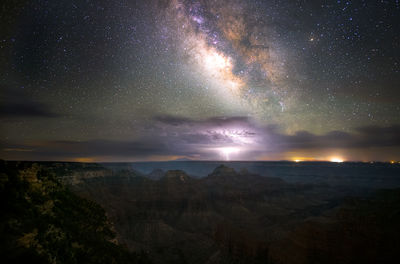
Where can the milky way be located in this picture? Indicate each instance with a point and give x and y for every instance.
(229, 47)
(129, 80)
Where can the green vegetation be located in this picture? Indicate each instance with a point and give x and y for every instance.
(42, 221)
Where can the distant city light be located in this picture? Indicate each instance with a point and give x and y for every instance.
(301, 159)
(335, 159)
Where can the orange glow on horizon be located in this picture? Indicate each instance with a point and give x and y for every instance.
(84, 159)
(336, 159)
(300, 159)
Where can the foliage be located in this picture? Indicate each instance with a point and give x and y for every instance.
(42, 221)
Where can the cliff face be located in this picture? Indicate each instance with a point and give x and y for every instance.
(359, 231)
(80, 177)
(43, 222)
(226, 217)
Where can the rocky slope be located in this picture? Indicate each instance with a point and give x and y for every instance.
(227, 216)
(42, 221)
(359, 231)
(234, 216)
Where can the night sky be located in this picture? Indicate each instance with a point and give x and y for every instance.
(132, 80)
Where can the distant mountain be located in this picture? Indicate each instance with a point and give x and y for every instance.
(183, 159)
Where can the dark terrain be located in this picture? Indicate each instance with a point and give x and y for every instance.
(42, 221)
(236, 216)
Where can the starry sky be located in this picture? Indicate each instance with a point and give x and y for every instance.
(125, 80)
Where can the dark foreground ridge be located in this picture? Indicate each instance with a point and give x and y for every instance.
(228, 216)
(42, 221)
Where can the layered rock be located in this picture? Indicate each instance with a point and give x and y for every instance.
(227, 216)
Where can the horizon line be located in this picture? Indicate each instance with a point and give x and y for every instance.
(190, 160)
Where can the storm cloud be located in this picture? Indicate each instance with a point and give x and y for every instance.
(172, 136)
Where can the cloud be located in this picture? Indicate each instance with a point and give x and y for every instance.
(213, 121)
(255, 139)
(361, 137)
(172, 120)
(206, 139)
(16, 104)
(61, 150)
(26, 109)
